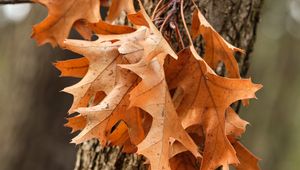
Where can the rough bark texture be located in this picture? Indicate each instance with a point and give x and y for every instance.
(92, 156)
(236, 20)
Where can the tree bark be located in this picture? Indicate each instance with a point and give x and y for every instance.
(92, 156)
(235, 20)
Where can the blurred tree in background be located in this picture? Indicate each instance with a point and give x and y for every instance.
(32, 109)
(274, 133)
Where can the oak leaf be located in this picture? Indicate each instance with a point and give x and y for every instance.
(97, 116)
(152, 95)
(92, 53)
(55, 28)
(234, 125)
(103, 75)
(247, 160)
(86, 30)
(216, 48)
(102, 63)
(206, 96)
(184, 161)
(136, 92)
(117, 6)
(73, 67)
(105, 28)
(76, 123)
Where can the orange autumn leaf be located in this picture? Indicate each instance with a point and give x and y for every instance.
(103, 75)
(134, 118)
(103, 56)
(98, 116)
(234, 125)
(55, 28)
(138, 19)
(138, 93)
(117, 6)
(99, 66)
(247, 160)
(76, 123)
(152, 95)
(120, 137)
(206, 96)
(83, 28)
(85, 86)
(86, 30)
(105, 28)
(216, 48)
(184, 161)
(73, 67)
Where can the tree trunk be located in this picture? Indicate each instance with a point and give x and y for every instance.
(235, 20)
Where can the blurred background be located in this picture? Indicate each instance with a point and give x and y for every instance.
(32, 110)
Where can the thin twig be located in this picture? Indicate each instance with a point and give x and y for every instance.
(165, 21)
(155, 9)
(170, 14)
(184, 23)
(163, 9)
(178, 35)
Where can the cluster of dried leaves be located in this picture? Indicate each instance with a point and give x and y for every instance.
(138, 93)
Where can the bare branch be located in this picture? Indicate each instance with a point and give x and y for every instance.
(3, 2)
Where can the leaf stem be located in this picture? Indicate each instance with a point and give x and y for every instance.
(184, 23)
(155, 9)
(165, 21)
(163, 9)
(178, 35)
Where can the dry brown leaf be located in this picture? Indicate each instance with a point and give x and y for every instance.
(247, 160)
(73, 68)
(86, 30)
(83, 28)
(234, 125)
(105, 28)
(76, 123)
(216, 48)
(117, 6)
(152, 95)
(206, 96)
(184, 161)
(138, 19)
(101, 73)
(126, 44)
(61, 17)
(133, 117)
(120, 137)
(98, 116)
(103, 56)
(125, 94)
